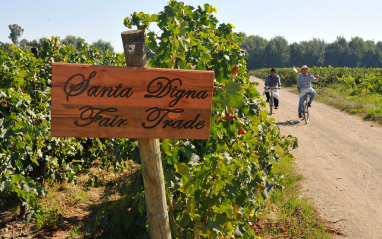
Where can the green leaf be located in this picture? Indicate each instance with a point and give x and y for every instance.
(166, 147)
(232, 88)
(227, 208)
(127, 22)
(186, 219)
(205, 57)
(232, 98)
(182, 169)
(174, 229)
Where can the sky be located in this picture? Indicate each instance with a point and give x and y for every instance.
(294, 19)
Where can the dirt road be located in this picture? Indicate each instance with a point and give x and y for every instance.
(341, 158)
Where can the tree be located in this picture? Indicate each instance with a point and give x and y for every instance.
(313, 52)
(255, 51)
(316, 52)
(102, 46)
(357, 48)
(277, 52)
(372, 56)
(336, 53)
(16, 32)
(296, 54)
(28, 45)
(24, 42)
(5, 46)
(379, 45)
(71, 40)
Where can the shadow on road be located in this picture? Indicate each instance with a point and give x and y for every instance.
(288, 123)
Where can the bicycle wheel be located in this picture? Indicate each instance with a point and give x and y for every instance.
(271, 105)
(306, 112)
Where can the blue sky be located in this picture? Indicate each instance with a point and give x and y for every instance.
(295, 20)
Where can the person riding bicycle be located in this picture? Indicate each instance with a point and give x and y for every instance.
(304, 85)
(273, 80)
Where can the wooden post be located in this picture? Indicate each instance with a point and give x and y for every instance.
(149, 149)
(34, 50)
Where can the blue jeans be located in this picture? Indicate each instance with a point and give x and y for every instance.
(312, 94)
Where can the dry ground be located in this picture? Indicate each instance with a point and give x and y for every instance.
(341, 158)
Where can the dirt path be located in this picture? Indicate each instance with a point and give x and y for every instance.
(341, 158)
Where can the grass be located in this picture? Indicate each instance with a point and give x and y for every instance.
(290, 215)
(352, 101)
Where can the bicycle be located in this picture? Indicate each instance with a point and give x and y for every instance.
(305, 109)
(271, 98)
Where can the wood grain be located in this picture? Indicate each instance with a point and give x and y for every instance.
(149, 150)
(76, 86)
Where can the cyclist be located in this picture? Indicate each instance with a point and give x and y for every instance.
(273, 80)
(304, 85)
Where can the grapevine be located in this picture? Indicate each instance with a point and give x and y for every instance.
(213, 186)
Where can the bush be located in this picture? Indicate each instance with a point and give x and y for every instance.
(213, 186)
(28, 154)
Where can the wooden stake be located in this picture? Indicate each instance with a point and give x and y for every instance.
(149, 149)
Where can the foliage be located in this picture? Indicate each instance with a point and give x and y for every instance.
(74, 42)
(28, 45)
(24, 43)
(255, 51)
(70, 40)
(287, 76)
(213, 185)
(311, 53)
(277, 52)
(5, 46)
(103, 46)
(16, 32)
(28, 154)
(353, 100)
(354, 90)
(316, 52)
(369, 79)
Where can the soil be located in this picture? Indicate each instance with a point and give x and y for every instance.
(340, 156)
(75, 204)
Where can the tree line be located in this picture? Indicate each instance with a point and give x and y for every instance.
(277, 52)
(70, 40)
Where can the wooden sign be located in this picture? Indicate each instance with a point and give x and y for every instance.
(130, 102)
